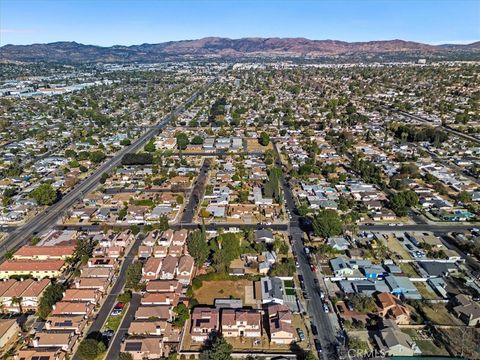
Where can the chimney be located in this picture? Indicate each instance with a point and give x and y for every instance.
(48, 325)
(158, 330)
(35, 342)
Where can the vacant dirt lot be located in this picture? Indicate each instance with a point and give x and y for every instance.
(212, 290)
(254, 146)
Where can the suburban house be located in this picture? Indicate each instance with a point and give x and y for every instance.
(390, 307)
(163, 298)
(143, 347)
(467, 310)
(264, 235)
(39, 353)
(280, 324)
(338, 243)
(49, 339)
(241, 323)
(158, 312)
(82, 295)
(74, 323)
(72, 308)
(204, 322)
(185, 268)
(163, 286)
(151, 269)
(393, 342)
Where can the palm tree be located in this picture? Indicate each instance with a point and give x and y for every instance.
(18, 300)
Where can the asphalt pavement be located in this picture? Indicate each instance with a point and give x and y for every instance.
(197, 193)
(116, 290)
(326, 332)
(49, 216)
(113, 351)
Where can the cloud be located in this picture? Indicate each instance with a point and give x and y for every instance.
(16, 31)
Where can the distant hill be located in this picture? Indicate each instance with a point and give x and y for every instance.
(216, 47)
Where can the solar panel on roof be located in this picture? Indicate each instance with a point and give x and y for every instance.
(133, 346)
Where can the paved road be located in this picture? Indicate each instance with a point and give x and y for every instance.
(113, 351)
(190, 225)
(326, 332)
(116, 290)
(439, 228)
(111, 191)
(197, 193)
(49, 217)
(220, 153)
(446, 128)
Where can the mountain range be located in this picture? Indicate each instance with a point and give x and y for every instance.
(217, 47)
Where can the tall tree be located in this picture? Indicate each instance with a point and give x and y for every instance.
(44, 194)
(198, 246)
(216, 349)
(327, 223)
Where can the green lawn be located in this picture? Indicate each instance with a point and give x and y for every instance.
(289, 291)
(113, 322)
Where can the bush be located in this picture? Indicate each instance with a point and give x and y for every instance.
(90, 349)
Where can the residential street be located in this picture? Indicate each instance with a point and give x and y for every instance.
(113, 351)
(116, 290)
(196, 195)
(326, 332)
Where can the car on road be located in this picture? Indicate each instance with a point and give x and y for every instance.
(116, 312)
(108, 334)
(301, 335)
(314, 328)
(120, 305)
(322, 294)
(313, 268)
(318, 345)
(325, 308)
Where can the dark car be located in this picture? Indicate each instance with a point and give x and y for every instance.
(314, 329)
(318, 346)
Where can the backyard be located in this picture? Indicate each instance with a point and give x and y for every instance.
(221, 289)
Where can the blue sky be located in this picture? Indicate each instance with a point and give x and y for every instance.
(123, 22)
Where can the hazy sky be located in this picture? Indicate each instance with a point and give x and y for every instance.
(110, 22)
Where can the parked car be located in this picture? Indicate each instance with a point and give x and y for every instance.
(301, 335)
(116, 312)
